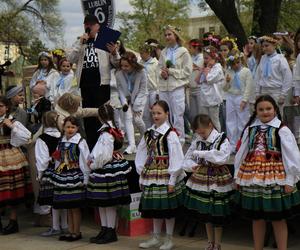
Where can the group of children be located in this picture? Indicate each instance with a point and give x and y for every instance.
(263, 186)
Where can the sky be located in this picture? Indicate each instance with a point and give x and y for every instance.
(72, 14)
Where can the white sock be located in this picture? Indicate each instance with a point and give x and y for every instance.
(157, 224)
(111, 215)
(63, 218)
(170, 223)
(102, 213)
(55, 219)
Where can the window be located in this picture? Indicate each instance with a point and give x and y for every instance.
(212, 29)
(201, 31)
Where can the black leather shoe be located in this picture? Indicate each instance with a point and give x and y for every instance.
(99, 235)
(11, 228)
(65, 237)
(75, 237)
(108, 237)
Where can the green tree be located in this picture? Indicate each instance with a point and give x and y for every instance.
(149, 18)
(22, 22)
(32, 51)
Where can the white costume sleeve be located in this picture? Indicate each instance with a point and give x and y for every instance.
(287, 77)
(290, 156)
(296, 76)
(216, 156)
(19, 135)
(185, 70)
(242, 152)
(215, 75)
(83, 158)
(189, 160)
(249, 87)
(175, 157)
(42, 156)
(141, 156)
(102, 151)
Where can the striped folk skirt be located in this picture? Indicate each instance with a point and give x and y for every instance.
(108, 186)
(46, 188)
(157, 202)
(15, 183)
(267, 203)
(209, 195)
(69, 191)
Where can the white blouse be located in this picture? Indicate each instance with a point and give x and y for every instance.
(42, 155)
(102, 151)
(214, 156)
(289, 151)
(175, 154)
(19, 135)
(280, 76)
(296, 76)
(210, 94)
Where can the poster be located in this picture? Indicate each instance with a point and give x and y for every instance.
(103, 9)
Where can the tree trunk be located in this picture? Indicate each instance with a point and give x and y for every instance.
(265, 16)
(226, 11)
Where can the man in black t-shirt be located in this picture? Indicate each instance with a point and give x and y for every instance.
(93, 73)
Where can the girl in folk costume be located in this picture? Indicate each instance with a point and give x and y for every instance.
(66, 82)
(175, 68)
(273, 75)
(132, 86)
(266, 172)
(209, 189)
(158, 162)
(211, 79)
(195, 48)
(150, 64)
(15, 185)
(107, 187)
(44, 148)
(70, 175)
(45, 73)
(239, 89)
(15, 94)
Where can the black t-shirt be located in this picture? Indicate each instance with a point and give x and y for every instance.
(90, 75)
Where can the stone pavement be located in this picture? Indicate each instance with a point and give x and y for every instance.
(236, 237)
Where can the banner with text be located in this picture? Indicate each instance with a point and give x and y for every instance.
(103, 9)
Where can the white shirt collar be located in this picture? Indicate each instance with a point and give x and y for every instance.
(274, 123)
(74, 139)
(105, 125)
(52, 131)
(212, 136)
(162, 129)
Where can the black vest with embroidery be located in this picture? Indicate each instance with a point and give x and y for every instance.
(158, 143)
(50, 141)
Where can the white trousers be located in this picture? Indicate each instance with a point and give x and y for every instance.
(176, 102)
(213, 112)
(195, 103)
(129, 119)
(147, 117)
(235, 119)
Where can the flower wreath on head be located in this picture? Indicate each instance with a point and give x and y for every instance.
(45, 54)
(231, 40)
(212, 39)
(268, 39)
(253, 38)
(171, 27)
(213, 54)
(58, 52)
(232, 58)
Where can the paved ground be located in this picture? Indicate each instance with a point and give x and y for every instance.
(236, 237)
